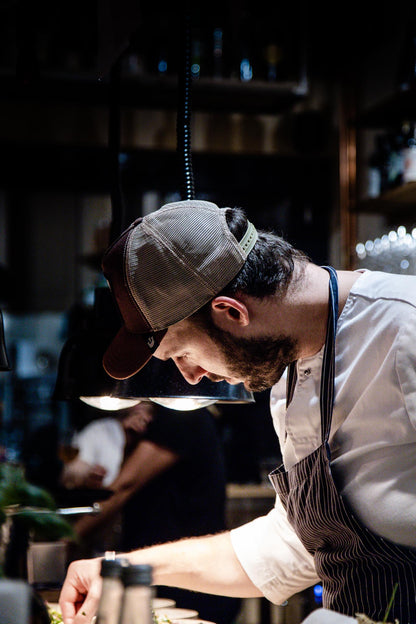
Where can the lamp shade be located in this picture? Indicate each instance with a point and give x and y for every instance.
(80, 370)
(81, 374)
(168, 387)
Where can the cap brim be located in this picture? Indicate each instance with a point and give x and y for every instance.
(129, 352)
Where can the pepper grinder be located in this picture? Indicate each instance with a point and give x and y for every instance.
(136, 607)
(111, 593)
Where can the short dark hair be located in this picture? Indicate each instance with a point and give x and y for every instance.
(267, 270)
(270, 264)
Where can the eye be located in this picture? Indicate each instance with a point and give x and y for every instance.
(178, 358)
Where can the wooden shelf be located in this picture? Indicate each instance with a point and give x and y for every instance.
(212, 95)
(87, 168)
(401, 200)
(391, 111)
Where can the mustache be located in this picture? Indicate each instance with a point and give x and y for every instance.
(213, 377)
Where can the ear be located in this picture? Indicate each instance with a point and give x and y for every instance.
(227, 312)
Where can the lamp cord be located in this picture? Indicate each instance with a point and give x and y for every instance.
(183, 119)
(183, 128)
(114, 142)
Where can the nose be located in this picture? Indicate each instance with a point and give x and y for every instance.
(191, 372)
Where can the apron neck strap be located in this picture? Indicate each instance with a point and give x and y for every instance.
(328, 363)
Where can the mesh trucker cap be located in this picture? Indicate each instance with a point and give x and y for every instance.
(162, 269)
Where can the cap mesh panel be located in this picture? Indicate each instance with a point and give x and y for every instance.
(183, 258)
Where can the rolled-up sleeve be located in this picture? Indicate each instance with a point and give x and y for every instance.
(273, 556)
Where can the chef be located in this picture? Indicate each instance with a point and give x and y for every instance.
(198, 284)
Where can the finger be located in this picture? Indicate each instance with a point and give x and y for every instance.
(99, 470)
(90, 605)
(77, 584)
(69, 606)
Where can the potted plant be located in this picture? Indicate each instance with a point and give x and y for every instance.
(25, 509)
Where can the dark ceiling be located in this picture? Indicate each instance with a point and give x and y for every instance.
(88, 35)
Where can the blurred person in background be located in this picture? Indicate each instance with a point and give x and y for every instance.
(166, 471)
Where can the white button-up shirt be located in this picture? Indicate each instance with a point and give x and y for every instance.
(373, 433)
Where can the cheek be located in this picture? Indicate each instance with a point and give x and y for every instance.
(211, 360)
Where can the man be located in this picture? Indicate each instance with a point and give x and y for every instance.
(198, 284)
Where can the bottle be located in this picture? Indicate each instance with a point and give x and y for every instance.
(108, 611)
(136, 607)
(217, 52)
(196, 54)
(373, 182)
(383, 155)
(409, 156)
(272, 57)
(246, 42)
(396, 160)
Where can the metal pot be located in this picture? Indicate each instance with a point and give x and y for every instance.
(20, 558)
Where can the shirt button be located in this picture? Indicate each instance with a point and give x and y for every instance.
(307, 372)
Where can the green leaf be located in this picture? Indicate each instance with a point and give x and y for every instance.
(389, 606)
(16, 490)
(44, 526)
(35, 496)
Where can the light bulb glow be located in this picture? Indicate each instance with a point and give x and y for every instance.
(394, 252)
(182, 404)
(109, 403)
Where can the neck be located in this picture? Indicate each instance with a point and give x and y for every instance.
(303, 312)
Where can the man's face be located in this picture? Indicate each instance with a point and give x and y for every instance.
(199, 349)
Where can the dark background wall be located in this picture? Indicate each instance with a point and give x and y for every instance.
(271, 146)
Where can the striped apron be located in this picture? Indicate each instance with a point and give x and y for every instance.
(358, 568)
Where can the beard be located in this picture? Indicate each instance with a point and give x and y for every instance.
(260, 361)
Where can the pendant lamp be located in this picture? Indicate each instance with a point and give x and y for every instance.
(80, 371)
(81, 374)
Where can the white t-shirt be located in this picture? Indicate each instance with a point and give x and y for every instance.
(373, 434)
(102, 442)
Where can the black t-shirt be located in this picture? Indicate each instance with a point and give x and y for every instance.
(189, 498)
(186, 500)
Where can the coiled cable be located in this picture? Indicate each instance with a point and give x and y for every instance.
(183, 118)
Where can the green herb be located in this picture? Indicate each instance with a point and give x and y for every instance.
(389, 606)
(54, 616)
(160, 619)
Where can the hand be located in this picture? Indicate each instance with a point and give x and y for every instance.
(139, 416)
(79, 473)
(81, 591)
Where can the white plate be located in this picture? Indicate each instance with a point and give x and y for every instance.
(163, 603)
(195, 621)
(176, 614)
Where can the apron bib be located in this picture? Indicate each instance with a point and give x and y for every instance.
(358, 568)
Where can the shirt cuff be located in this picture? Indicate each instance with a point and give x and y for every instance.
(273, 556)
